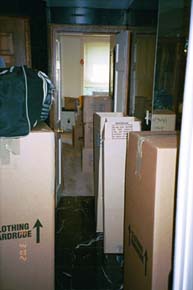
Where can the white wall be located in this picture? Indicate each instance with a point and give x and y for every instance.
(72, 71)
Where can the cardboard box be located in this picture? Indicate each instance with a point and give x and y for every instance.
(67, 120)
(71, 103)
(99, 121)
(88, 135)
(93, 104)
(163, 121)
(27, 205)
(114, 157)
(87, 160)
(79, 117)
(149, 210)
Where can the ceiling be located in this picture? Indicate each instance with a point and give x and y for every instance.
(106, 4)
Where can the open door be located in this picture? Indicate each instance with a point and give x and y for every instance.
(55, 117)
(121, 76)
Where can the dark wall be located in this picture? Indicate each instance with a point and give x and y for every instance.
(93, 16)
(87, 16)
(37, 13)
(40, 16)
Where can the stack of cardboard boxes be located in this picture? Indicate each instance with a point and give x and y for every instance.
(134, 186)
(91, 104)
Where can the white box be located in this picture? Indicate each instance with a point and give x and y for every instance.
(99, 121)
(163, 121)
(67, 120)
(114, 159)
(27, 206)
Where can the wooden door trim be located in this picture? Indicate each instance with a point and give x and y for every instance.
(27, 41)
(26, 35)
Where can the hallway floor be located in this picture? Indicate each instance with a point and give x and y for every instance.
(80, 262)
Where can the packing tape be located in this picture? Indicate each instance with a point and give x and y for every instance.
(140, 142)
(8, 146)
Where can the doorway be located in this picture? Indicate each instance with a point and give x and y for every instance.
(118, 80)
(113, 34)
(84, 65)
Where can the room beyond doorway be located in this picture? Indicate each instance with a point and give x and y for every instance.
(84, 62)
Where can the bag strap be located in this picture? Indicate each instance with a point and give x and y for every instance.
(26, 98)
(46, 82)
(48, 88)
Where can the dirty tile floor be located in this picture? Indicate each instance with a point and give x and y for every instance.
(80, 262)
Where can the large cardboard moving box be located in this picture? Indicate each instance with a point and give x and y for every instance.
(77, 135)
(71, 103)
(27, 174)
(92, 104)
(99, 121)
(114, 157)
(88, 135)
(87, 160)
(149, 210)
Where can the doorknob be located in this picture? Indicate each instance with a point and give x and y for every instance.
(59, 130)
(147, 117)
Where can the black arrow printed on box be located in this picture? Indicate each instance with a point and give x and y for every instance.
(38, 225)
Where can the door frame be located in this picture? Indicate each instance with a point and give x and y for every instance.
(55, 29)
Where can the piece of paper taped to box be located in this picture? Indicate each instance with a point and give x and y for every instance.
(120, 130)
(8, 147)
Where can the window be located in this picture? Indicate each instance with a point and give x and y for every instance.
(96, 65)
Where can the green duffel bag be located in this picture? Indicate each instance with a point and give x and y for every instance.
(25, 99)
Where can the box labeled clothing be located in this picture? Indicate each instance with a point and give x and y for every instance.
(163, 121)
(88, 135)
(27, 205)
(87, 160)
(114, 157)
(149, 209)
(92, 104)
(99, 121)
